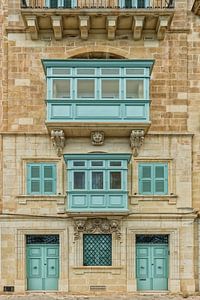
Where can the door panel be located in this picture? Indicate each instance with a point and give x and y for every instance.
(42, 267)
(152, 266)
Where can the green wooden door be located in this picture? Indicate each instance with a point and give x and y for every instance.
(42, 266)
(152, 266)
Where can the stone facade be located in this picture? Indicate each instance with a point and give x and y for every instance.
(173, 137)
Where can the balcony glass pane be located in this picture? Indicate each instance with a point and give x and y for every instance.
(61, 88)
(97, 180)
(79, 164)
(85, 88)
(85, 71)
(110, 88)
(110, 71)
(134, 89)
(134, 71)
(57, 71)
(79, 180)
(115, 163)
(97, 163)
(115, 180)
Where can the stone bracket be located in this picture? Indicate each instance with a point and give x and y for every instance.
(136, 139)
(84, 26)
(58, 140)
(32, 26)
(57, 26)
(97, 138)
(161, 27)
(97, 225)
(111, 26)
(138, 25)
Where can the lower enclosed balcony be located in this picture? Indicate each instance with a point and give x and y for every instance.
(129, 19)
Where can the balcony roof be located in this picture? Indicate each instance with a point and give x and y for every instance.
(112, 23)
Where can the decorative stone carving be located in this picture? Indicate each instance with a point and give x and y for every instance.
(137, 139)
(97, 138)
(58, 139)
(99, 225)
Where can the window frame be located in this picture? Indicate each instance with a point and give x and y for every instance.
(153, 179)
(41, 177)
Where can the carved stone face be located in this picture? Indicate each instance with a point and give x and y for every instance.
(97, 137)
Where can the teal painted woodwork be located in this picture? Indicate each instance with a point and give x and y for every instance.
(42, 263)
(97, 249)
(153, 178)
(97, 182)
(152, 266)
(41, 179)
(98, 90)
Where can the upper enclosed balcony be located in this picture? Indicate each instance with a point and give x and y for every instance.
(131, 19)
(109, 95)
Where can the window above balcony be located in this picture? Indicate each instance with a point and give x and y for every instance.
(109, 94)
(106, 18)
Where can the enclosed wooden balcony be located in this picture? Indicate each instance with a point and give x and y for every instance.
(105, 18)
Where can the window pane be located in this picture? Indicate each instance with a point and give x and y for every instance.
(146, 172)
(56, 71)
(48, 186)
(48, 171)
(134, 71)
(35, 171)
(97, 180)
(79, 180)
(115, 163)
(97, 163)
(61, 88)
(159, 186)
(146, 186)
(110, 88)
(115, 180)
(85, 88)
(79, 163)
(85, 71)
(159, 171)
(110, 71)
(35, 186)
(97, 249)
(134, 89)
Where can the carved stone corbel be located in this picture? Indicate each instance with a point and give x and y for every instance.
(137, 139)
(97, 138)
(99, 225)
(58, 140)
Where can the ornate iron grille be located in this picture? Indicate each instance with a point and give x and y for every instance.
(42, 239)
(152, 239)
(97, 249)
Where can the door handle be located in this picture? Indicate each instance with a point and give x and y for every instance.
(159, 267)
(35, 267)
(52, 268)
(141, 267)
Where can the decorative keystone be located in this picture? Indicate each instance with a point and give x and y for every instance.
(97, 138)
(137, 139)
(58, 139)
(32, 26)
(57, 26)
(98, 225)
(162, 27)
(111, 26)
(84, 26)
(138, 25)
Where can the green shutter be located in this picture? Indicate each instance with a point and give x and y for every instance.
(41, 179)
(153, 179)
(34, 179)
(49, 179)
(145, 179)
(160, 179)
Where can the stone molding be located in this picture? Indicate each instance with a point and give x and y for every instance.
(58, 140)
(97, 138)
(136, 139)
(97, 225)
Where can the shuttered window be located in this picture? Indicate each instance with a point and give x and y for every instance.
(153, 178)
(41, 179)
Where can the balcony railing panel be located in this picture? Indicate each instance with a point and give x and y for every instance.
(61, 4)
